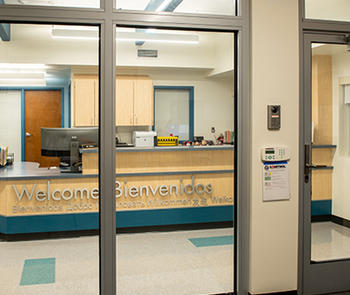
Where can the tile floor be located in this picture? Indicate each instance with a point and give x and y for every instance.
(148, 263)
(330, 241)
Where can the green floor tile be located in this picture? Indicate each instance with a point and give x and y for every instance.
(38, 271)
(212, 241)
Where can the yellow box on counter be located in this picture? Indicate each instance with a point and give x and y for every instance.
(166, 140)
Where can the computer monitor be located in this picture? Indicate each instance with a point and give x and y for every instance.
(65, 143)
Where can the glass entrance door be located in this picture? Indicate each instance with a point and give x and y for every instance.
(326, 229)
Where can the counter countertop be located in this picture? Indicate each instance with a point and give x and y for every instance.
(165, 148)
(31, 170)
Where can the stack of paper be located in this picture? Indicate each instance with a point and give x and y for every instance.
(3, 155)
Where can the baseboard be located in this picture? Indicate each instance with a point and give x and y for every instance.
(332, 218)
(175, 227)
(321, 218)
(293, 292)
(127, 230)
(48, 235)
(340, 221)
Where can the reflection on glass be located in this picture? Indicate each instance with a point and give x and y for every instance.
(330, 152)
(49, 203)
(226, 7)
(174, 185)
(337, 10)
(64, 3)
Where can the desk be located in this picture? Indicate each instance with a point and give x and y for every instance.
(195, 188)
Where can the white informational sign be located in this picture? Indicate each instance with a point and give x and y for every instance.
(276, 181)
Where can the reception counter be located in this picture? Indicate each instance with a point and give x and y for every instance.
(154, 186)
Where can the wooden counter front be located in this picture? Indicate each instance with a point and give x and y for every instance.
(81, 195)
(163, 160)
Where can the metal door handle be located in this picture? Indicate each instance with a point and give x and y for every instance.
(307, 165)
(28, 134)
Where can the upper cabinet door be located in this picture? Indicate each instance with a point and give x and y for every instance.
(97, 102)
(143, 101)
(84, 101)
(124, 101)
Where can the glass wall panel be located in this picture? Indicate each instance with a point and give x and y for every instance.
(337, 10)
(225, 7)
(330, 201)
(64, 3)
(175, 161)
(49, 202)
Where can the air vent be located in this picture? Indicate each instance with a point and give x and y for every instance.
(147, 53)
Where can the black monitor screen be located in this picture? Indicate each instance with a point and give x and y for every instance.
(57, 142)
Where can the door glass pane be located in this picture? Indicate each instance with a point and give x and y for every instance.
(174, 199)
(226, 7)
(330, 152)
(63, 3)
(49, 200)
(337, 10)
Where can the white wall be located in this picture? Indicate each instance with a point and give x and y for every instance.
(328, 9)
(213, 104)
(275, 72)
(34, 44)
(341, 136)
(189, 6)
(10, 121)
(200, 55)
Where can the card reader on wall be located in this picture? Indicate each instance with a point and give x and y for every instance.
(275, 153)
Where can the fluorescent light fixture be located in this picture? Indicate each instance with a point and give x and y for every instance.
(22, 74)
(67, 3)
(155, 37)
(21, 71)
(22, 82)
(22, 66)
(315, 45)
(74, 33)
(75, 28)
(91, 33)
(162, 6)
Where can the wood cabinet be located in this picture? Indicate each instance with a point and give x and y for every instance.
(85, 100)
(134, 100)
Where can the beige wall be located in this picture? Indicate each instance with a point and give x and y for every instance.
(275, 72)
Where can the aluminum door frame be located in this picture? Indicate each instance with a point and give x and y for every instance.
(323, 277)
